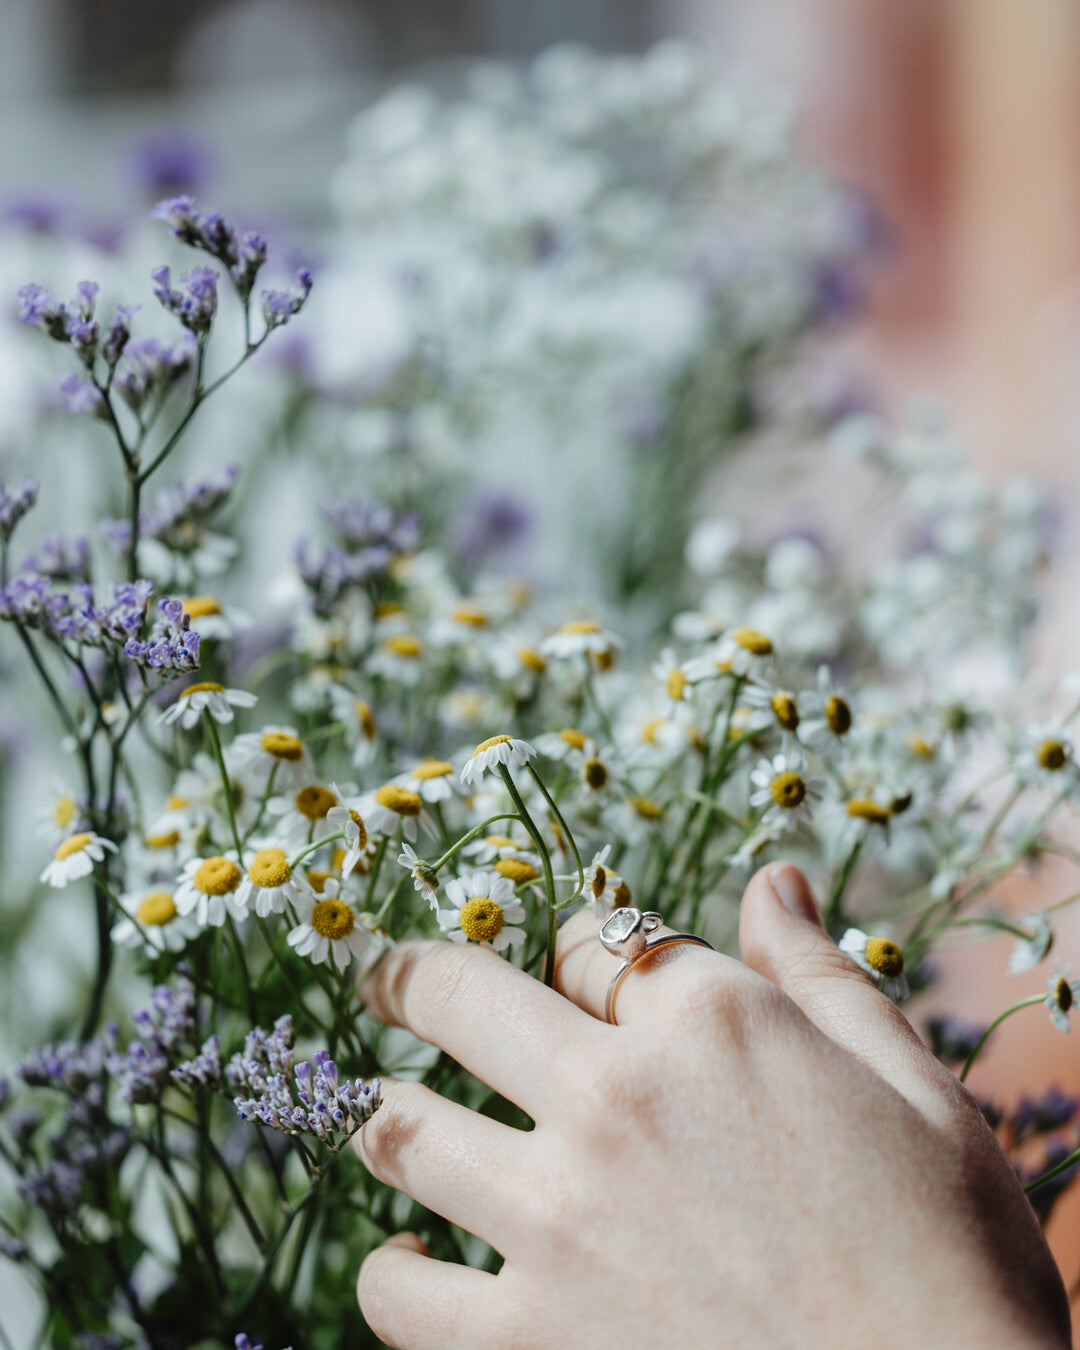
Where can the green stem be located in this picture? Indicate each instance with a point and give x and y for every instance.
(230, 1180)
(834, 914)
(230, 812)
(1024, 1003)
(558, 815)
(1055, 1171)
(549, 878)
(467, 838)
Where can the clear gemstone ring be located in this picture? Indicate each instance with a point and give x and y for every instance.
(625, 933)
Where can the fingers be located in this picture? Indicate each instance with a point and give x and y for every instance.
(452, 1160)
(781, 937)
(584, 969)
(413, 1302)
(500, 1023)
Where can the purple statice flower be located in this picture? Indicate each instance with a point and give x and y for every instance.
(951, 1039)
(488, 523)
(206, 1070)
(370, 527)
(83, 397)
(65, 1065)
(40, 309)
(22, 600)
(172, 649)
(317, 1101)
(165, 1030)
(1042, 1115)
(169, 162)
(249, 263)
(114, 617)
(195, 302)
(151, 367)
(118, 334)
(279, 306)
(55, 1188)
(14, 504)
(242, 254)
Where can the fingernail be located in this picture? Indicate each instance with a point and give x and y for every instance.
(791, 889)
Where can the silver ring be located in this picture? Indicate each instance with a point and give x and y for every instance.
(625, 933)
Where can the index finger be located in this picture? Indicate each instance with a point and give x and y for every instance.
(502, 1025)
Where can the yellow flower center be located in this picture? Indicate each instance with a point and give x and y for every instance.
(863, 808)
(203, 687)
(317, 879)
(217, 876)
(386, 609)
(64, 811)
(838, 715)
(531, 659)
(366, 718)
(472, 615)
(650, 728)
(361, 829)
(270, 867)
(199, 606)
(517, 871)
(1052, 755)
(314, 801)
(75, 844)
(785, 711)
(646, 807)
(283, 745)
(333, 919)
(676, 685)
(599, 882)
(885, 957)
(596, 775)
(156, 910)
(432, 768)
(752, 641)
(481, 919)
(605, 659)
(919, 745)
(490, 742)
(403, 644)
(399, 799)
(169, 840)
(622, 896)
(1063, 994)
(580, 626)
(501, 841)
(575, 739)
(175, 803)
(788, 790)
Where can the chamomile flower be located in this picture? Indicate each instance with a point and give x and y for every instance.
(350, 822)
(675, 678)
(746, 856)
(1062, 994)
(599, 770)
(565, 744)
(633, 818)
(361, 727)
(62, 817)
(433, 779)
(76, 857)
(1047, 757)
(1028, 952)
(741, 651)
(399, 658)
(277, 749)
(299, 814)
(603, 887)
(207, 696)
(152, 922)
(424, 877)
(781, 785)
(483, 909)
(207, 889)
(393, 807)
(496, 750)
(211, 619)
(332, 929)
(881, 958)
(490, 848)
(772, 708)
(268, 884)
(582, 638)
(830, 716)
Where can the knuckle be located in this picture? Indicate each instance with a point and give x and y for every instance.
(821, 962)
(375, 1293)
(443, 981)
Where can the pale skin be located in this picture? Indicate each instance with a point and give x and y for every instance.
(760, 1155)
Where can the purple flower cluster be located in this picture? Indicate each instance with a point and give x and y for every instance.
(368, 538)
(14, 504)
(243, 1342)
(177, 513)
(165, 1030)
(195, 302)
(66, 1065)
(59, 558)
(119, 615)
(243, 254)
(951, 1039)
(205, 1070)
(1042, 1115)
(315, 1102)
(172, 649)
(151, 368)
(278, 307)
(73, 322)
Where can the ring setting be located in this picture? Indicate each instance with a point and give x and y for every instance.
(625, 933)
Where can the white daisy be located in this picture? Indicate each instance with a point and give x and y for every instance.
(771, 708)
(424, 877)
(829, 712)
(62, 817)
(332, 929)
(213, 698)
(268, 884)
(483, 907)
(278, 749)
(392, 807)
(496, 750)
(740, 651)
(491, 847)
(153, 921)
(76, 857)
(211, 619)
(605, 888)
(398, 658)
(881, 958)
(781, 785)
(350, 822)
(1029, 951)
(583, 638)
(1047, 757)
(674, 677)
(565, 744)
(207, 888)
(1061, 996)
(361, 728)
(299, 813)
(433, 779)
(599, 770)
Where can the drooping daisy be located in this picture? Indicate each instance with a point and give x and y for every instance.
(483, 910)
(207, 888)
(582, 638)
(424, 877)
(433, 779)
(830, 715)
(153, 921)
(361, 727)
(393, 807)
(273, 749)
(1061, 997)
(781, 784)
(881, 958)
(603, 887)
(207, 696)
(350, 822)
(331, 929)
(76, 857)
(1028, 952)
(268, 884)
(496, 750)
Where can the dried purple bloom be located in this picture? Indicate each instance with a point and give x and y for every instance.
(41, 309)
(151, 368)
(166, 1029)
(172, 649)
(62, 559)
(951, 1039)
(14, 504)
(206, 1070)
(65, 1065)
(195, 303)
(182, 218)
(279, 306)
(170, 162)
(1040, 1115)
(118, 334)
(83, 397)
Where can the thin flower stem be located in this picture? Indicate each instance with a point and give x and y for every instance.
(311, 848)
(549, 878)
(230, 1180)
(472, 834)
(1024, 1003)
(834, 914)
(230, 812)
(1055, 1171)
(558, 815)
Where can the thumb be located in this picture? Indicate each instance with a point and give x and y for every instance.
(781, 936)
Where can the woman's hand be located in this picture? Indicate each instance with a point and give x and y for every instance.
(757, 1156)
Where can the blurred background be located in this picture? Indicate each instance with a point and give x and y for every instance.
(959, 118)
